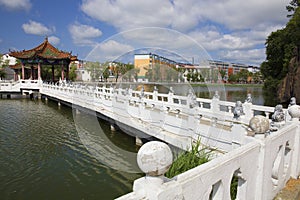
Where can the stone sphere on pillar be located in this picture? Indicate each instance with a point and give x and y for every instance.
(294, 111)
(155, 158)
(259, 124)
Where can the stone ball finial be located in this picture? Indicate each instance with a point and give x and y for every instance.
(155, 158)
(259, 124)
(294, 111)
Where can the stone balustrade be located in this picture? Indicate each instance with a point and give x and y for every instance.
(17, 86)
(175, 119)
(262, 168)
(262, 153)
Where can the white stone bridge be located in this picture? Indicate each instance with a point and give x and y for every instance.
(264, 155)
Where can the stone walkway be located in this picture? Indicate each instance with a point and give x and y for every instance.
(291, 191)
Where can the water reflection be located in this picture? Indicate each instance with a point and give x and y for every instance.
(231, 93)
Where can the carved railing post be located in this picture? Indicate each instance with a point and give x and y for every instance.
(155, 91)
(215, 102)
(154, 159)
(248, 107)
(170, 95)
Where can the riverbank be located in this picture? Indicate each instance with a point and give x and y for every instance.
(226, 85)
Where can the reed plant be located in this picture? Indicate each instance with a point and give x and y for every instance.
(187, 160)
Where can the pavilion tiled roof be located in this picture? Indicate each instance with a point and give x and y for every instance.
(44, 51)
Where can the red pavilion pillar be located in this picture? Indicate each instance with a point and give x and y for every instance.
(53, 78)
(31, 73)
(67, 72)
(62, 72)
(23, 71)
(39, 71)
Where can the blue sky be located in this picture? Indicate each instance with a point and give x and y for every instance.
(228, 30)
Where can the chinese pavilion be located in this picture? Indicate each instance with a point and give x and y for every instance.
(43, 55)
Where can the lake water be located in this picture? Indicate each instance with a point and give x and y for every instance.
(44, 157)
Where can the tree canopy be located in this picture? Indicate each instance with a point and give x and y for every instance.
(281, 47)
(3, 64)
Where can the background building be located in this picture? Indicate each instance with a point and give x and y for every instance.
(214, 71)
(144, 62)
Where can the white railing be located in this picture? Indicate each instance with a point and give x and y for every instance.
(31, 84)
(262, 168)
(17, 86)
(175, 119)
(172, 118)
(9, 87)
(262, 163)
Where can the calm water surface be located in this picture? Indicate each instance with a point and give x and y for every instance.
(42, 156)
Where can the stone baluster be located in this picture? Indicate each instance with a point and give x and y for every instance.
(215, 103)
(191, 99)
(155, 93)
(130, 91)
(267, 114)
(230, 109)
(170, 95)
(247, 107)
(201, 104)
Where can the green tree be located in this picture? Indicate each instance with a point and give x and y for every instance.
(222, 73)
(72, 73)
(281, 47)
(291, 8)
(243, 75)
(3, 65)
(232, 78)
(257, 77)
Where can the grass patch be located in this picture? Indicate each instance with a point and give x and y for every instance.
(189, 159)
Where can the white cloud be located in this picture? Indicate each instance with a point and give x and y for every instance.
(126, 14)
(36, 28)
(212, 39)
(54, 40)
(108, 51)
(83, 34)
(235, 14)
(16, 4)
(252, 56)
(229, 26)
(186, 15)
